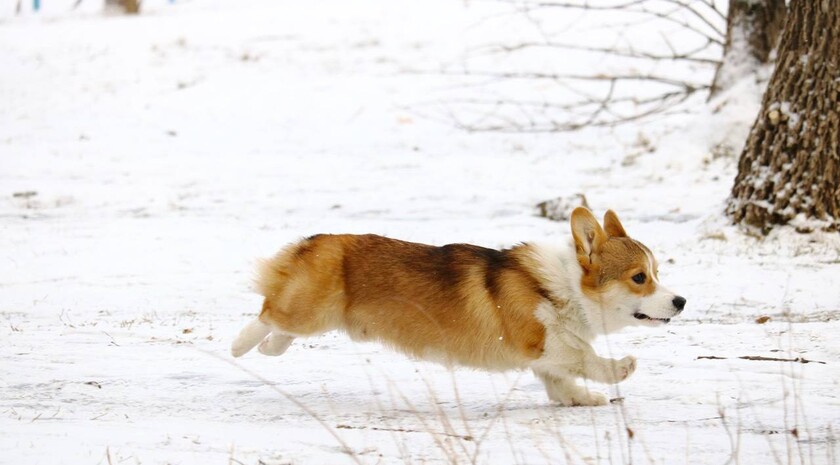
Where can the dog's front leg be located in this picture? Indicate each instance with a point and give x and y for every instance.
(575, 357)
(564, 390)
(606, 370)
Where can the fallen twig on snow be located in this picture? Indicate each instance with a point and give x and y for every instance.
(403, 430)
(761, 358)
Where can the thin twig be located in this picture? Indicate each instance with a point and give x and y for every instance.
(761, 358)
(559, 126)
(406, 430)
(627, 53)
(688, 86)
(577, 104)
(639, 7)
(345, 447)
(697, 14)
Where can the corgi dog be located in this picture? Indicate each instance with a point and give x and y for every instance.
(528, 307)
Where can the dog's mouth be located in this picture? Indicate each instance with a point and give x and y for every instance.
(642, 316)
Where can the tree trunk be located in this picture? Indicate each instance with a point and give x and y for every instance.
(790, 166)
(131, 7)
(752, 32)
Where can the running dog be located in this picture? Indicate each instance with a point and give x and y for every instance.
(530, 306)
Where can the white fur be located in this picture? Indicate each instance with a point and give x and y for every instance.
(250, 336)
(275, 344)
(561, 273)
(660, 304)
(572, 321)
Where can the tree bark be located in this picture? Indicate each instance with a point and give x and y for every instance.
(752, 32)
(790, 167)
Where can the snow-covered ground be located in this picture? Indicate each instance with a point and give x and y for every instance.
(147, 162)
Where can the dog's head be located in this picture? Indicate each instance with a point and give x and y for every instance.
(620, 275)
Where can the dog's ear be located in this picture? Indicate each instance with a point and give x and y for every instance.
(613, 226)
(588, 236)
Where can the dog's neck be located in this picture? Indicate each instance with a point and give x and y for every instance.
(560, 274)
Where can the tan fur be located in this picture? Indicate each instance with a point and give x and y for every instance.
(426, 301)
(613, 258)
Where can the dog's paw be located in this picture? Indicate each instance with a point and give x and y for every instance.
(566, 392)
(577, 397)
(275, 344)
(584, 398)
(624, 368)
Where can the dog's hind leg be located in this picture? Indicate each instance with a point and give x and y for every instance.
(250, 336)
(275, 344)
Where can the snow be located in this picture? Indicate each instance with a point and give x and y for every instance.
(168, 152)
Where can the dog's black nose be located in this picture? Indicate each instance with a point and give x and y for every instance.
(679, 302)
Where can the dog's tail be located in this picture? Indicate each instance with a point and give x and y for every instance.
(249, 337)
(274, 272)
(271, 275)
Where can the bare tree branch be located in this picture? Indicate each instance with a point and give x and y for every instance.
(628, 53)
(641, 7)
(575, 104)
(594, 99)
(603, 115)
(688, 7)
(685, 85)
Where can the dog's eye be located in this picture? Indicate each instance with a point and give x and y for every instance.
(639, 278)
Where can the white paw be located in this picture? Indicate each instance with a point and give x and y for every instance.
(576, 396)
(585, 398)
(625, 367)
(237, 349)
(275, 344)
